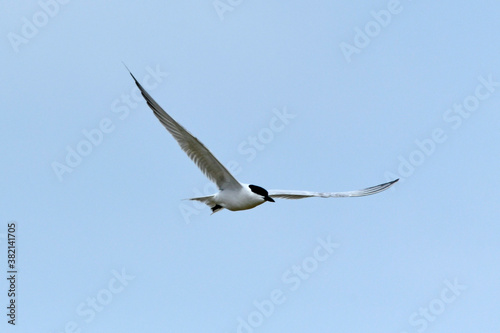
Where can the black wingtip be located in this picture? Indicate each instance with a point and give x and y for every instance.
(392, 182)
(126, 67)
(129, 72)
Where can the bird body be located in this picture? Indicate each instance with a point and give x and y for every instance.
(235, 199)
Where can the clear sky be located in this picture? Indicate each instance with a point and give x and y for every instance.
(320, 96)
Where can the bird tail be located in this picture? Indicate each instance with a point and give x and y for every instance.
(209, 201)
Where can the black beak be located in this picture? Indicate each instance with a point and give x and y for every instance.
(268, 198)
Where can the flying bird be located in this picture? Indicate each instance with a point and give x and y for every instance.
(232, 194)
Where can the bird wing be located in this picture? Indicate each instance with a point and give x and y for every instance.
(283, 194)
(197, 152)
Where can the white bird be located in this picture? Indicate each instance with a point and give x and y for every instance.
(232, 194)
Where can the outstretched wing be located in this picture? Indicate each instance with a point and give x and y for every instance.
(283, 194)
(197, 152)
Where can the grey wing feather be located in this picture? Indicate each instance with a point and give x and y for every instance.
(197, 152)
(283, 194)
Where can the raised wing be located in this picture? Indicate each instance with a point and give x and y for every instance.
(283, 194)
(197, 152)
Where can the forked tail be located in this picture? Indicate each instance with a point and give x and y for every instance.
(210, 202)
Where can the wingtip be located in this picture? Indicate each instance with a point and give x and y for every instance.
(129, 72)
(125, 66)
(391, 183)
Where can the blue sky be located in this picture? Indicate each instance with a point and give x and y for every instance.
(322, 96)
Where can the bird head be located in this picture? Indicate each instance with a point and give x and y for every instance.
(261, 191)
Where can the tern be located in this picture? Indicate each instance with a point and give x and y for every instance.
(232, 194)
